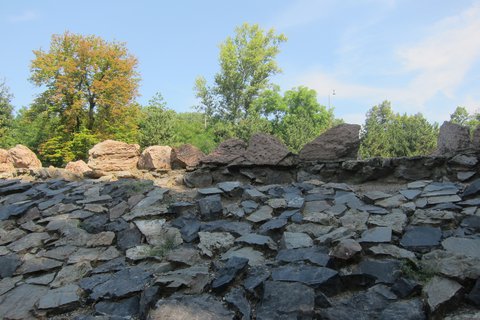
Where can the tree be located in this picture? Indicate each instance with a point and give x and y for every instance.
(89, 81)
(6, 115)
(247, 62)
(389, 134)
(462, 117)
(157, 125)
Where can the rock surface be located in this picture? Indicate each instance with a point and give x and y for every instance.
(452, 138)
(23, 157)
(156, 158)
(111, 155)
(78, 167)
(129, 249)
(186, 156)
(340, 142)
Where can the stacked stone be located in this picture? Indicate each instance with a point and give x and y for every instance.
(128, 249)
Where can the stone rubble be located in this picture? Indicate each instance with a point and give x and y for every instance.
(127, 249)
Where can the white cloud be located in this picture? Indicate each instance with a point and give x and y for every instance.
(26, 16)
(436, 66)
(300, 12)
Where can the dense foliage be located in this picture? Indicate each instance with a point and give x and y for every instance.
(90, 90)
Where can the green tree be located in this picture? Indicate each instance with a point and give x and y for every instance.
(190, 128)
(247, 62)
(6, 116)
(462, 117)
(89, 81)
(389, 134)
(157, 124)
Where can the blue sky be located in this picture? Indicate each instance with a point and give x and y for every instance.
(423, 56)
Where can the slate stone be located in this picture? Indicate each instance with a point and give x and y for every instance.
(64, 298)
(440, 291)
(128, 307)
(237, 228)
(346, 249)
(451, 265)
(465, 175)
(410, 194)
(180, 307)
(18, 302)
(385, 271)
(264, 213)
(373, 196)
(309, 275)
(148, 298)
(293, 240)
(272, 225)
(464, 160)
(404, 288)
(8, 264)
(283, 300)
(254, 194)
(420, 238)
(15, 188)
(95, 223)
(377, 235)
(474, 295)
(257, 240)
(349, 199)
(116, 285)
(183, 208)
(9, 283)
(472, 189)
(210, 207)
(227, 274)
(209, 191)
(255, 258)
(472, 223)
(443, 199)
(373, 209)
(213, 242)
(71, 273)
(192, 280)
(396, 220)
(313, 254)
(229, 186)
(15, 210)
(404, 310)
(393, 251)
(128, 238)
(114, 265)
(249, 206)
(255, 277)
(335, 235)
(236, 298)
(463, 246)
(32, 264)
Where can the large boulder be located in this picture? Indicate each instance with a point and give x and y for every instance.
(78, 167)
(111, 155)
(156, 158)
(265, 149)
(6, 165)
(452, 138)
(186, 156)
(476, 138)
(228, 152)
(338, 143)
(22, 157)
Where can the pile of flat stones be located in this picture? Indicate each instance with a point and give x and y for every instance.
(312, 250)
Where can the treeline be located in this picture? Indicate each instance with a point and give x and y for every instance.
(90, 91)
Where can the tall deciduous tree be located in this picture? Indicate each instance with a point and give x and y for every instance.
(6, 114)
(91, 82)
(247, 62)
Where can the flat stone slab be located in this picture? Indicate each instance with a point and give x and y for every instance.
(64, 298)
(294, 240)
(264, 213)
(17, 303)
(418, 238)
(309, 275)
(377, 235)
(463, 246)
(440, 291)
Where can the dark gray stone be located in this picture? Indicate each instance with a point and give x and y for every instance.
(405, 288)
(148, 298)
(377, 235)
(452, 138)
(313, 254)
(440, 292)
(62, 299)
(128, 307)
(385, 271)
(472, 189)
(227, 274)
(472, 223)
(116, 285)
(229, 186)
(474, 295)
(255, 277)
(15, 210)
(236, 297)
(421, 238)
(209, 191)
(282, 300)
(257, 240)
(8, 264)
(15, 188)
(237, 228)
(18, 302)
(249, 206)
(180, 307)
(404, 310)
(310, 275)
(410, 194)
(272, 225)
(129, 238)
(95, 223)
(210, 207)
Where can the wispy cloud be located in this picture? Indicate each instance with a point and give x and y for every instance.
(25, 16)
(435, 66)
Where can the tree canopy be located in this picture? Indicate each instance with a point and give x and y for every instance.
(6, 114)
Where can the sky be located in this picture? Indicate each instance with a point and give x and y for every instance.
(423, 56)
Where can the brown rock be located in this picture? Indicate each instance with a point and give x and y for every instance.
(156, 158)
(229, 151)
(452, 138)
(6, 165)
(338, 143)
(186, 156)
(264, 149)
(111, 155)
(22, 157)
(78, 167)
